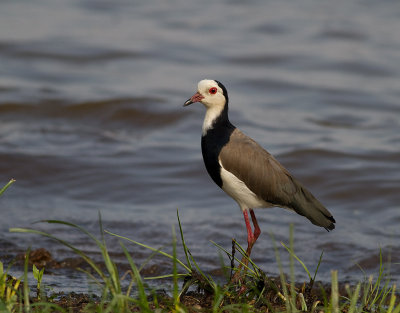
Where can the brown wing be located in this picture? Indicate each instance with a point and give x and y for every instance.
(268, 179)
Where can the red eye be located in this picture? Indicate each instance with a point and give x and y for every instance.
(213, 90)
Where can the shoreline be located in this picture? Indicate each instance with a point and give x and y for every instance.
(195, 292)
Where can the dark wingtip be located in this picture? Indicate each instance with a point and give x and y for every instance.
(332, 225)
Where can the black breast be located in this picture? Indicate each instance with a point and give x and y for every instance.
(211, 145)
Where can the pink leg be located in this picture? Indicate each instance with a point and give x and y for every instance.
(257, 230)
(251, 237)
(251, 240)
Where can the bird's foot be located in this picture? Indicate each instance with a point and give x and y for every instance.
(238, 282)
(238, 277)
(240, 273)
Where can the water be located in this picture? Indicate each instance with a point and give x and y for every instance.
(91, 119)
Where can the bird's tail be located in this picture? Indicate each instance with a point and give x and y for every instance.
(306, 204)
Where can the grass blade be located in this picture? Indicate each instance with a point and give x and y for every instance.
(291, 262)
(26, 286)
(298, 259)
(185, 249)
(335, 292)
(83, 230)
(354, 298)
(152, 249)
(230, 254)
(319, 263)
(6, 186)
(175, 291)
(165, 276)
(77, 251)
(285, 295)
(143, 303)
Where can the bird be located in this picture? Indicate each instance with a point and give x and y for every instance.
(246, 171)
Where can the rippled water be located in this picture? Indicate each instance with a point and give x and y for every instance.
(91, 119)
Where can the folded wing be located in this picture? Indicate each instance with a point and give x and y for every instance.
(269, 180)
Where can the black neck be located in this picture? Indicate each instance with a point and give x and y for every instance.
(213, 141)
(223, 119)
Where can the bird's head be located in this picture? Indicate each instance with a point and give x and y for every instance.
(211, 93)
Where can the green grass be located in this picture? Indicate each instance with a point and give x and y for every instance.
(6, 186)
(255, 293)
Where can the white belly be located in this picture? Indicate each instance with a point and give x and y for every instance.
(238, 190)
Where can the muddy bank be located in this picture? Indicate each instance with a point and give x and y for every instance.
(263, 294)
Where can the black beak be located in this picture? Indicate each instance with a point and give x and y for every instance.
(197, 97)
(188, 102)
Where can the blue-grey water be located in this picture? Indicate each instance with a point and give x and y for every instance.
(91, 119)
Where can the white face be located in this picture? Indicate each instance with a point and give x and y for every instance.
(212, 96)
(212, 93)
